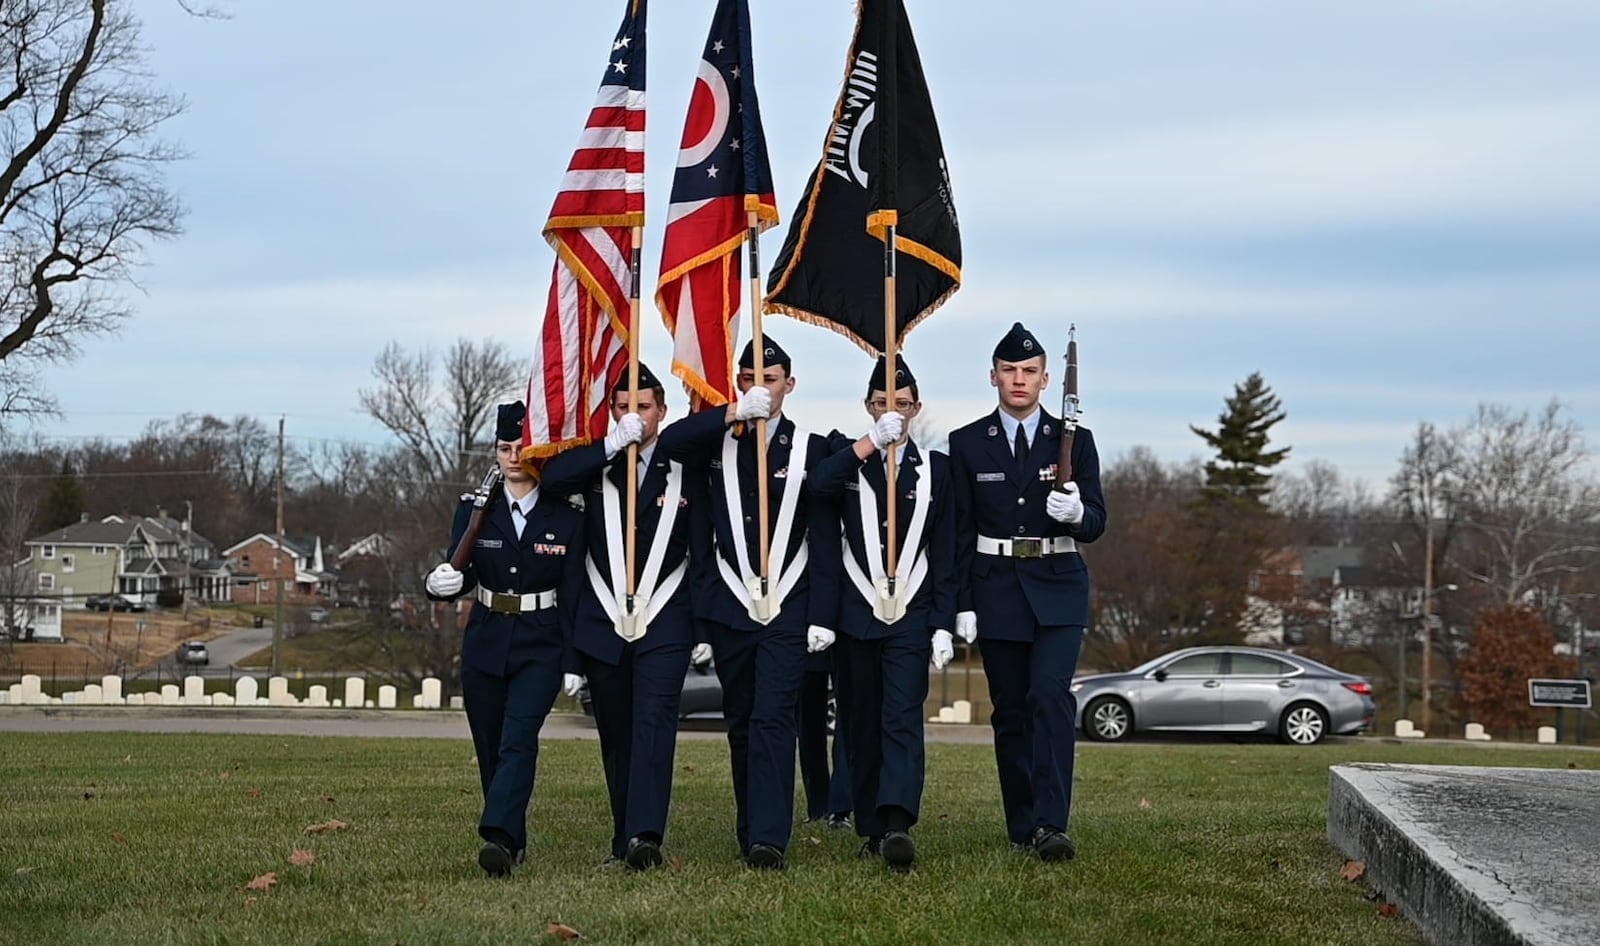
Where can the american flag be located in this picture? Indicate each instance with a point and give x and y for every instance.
(581, 349)
(722, 174)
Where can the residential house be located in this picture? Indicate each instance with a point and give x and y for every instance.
(1292, 595)
(24, 615)
(260, 565)
(364, 571)
(151, 559)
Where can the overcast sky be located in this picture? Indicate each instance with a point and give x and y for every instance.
(1388, 208)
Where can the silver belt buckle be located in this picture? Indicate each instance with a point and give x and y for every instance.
(505, 603)
(1027, 548)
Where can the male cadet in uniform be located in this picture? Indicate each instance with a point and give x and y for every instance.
(1024, 589)
(760, 641)
(525, 573)
(887, 637)
(634, 660)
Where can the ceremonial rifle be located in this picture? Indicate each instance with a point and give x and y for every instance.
(480, 508)
(1069, 411)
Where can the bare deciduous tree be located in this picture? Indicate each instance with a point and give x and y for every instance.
(82, 187)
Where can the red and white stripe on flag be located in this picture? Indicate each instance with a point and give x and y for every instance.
(581, 348)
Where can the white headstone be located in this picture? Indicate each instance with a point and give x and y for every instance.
(317, 696)
(963, 710)
(31, 692)
(93, 694)
(134, 699)
(169, 695)
(14, 694)
(338, 703)
(71, 697)
(245, 690)
(1547, 735)
(278, 692)
(194, 690)
(5, 697)
(432, 693)
(386, 697)
(947, 714)
(370, 705)
(111, 688)
(1404, 729)
(457, 702)
(1476, 732)
(355, 691)
(221, 699)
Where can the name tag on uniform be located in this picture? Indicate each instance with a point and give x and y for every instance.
(490, 544)
(853, 486)
(991, 477)
(545, 548)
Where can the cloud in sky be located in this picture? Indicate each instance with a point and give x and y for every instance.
(1385, 206)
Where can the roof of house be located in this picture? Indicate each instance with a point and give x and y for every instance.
(118, 530)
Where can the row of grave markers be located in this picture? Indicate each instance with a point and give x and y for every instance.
(246, 692)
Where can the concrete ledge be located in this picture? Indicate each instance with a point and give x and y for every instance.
(1476, 855)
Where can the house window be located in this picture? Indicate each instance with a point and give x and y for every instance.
(47, 581)
(99, 550)
(68, 563)
(244, 560)
(47, 551)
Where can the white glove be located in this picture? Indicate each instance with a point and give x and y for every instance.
(571, 683)
(701, 655)
(887, 430)
(967, 626)
(1064, 505)
(753, 404)
(629, 428)
(944, 649)
(444, 581)
(818, 639)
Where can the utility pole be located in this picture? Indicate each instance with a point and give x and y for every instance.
(277, 561)
(1427, 619)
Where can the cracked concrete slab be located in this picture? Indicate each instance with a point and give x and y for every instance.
(1476, 855)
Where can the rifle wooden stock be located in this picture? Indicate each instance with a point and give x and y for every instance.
(1069, 412)
(462, 553)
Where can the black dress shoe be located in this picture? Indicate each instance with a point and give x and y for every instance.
(496, 859)
(1053, 845)
(764, 857)
(899, 851)
(871, 847)
(643, 854)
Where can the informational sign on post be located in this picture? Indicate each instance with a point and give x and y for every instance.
(1559, 693)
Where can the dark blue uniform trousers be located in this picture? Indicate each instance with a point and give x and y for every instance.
(761, 674)
(826, 794)
(636, 712)
(1030, 685)
(883, 684)
(505, 714)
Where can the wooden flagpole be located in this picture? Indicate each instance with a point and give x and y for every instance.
(758, 350)
(887, 215)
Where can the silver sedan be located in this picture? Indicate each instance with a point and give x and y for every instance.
(1226, 689)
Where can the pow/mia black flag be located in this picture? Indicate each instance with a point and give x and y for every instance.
(882, 153)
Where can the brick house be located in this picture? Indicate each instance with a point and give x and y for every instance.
(260, 565)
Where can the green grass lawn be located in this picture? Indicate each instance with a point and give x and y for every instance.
(122, 838)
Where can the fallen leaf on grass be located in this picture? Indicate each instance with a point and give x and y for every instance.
(1388, 911)
(561, 931)
(300, 857)
(327, 798)
(688, 770)
(1572, 765)
(118, 837)
(322, 827)
(24, 870)
(254, 793)
(1353, 870)
(675, 864)
(264, 882)
(1144, 803)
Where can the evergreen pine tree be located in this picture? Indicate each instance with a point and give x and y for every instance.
(1243, 431)
(65, 503)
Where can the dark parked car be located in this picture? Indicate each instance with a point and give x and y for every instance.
(1226, 689)
(702, 694)
(112, 603)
